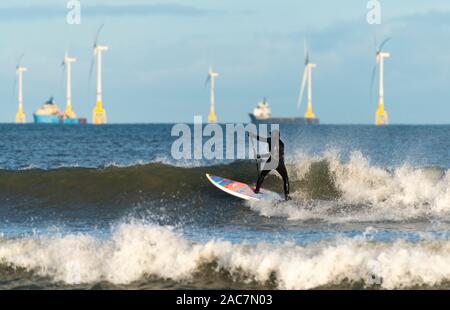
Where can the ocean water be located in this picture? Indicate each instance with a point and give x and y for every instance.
(107, 207)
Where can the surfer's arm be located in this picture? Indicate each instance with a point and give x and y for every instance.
(258, 137)
(263, 156)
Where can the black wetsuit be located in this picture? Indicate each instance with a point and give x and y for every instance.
(281, 168)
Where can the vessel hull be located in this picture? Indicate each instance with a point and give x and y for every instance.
(46, 119)
(54, 119)
(285, 120)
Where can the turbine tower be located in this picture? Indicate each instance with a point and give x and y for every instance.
(20, 115)
(381, 116)
(99, 113)
(307, 77)
(212, 118)
(67, 63)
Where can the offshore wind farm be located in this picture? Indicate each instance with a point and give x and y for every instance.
(49, 112)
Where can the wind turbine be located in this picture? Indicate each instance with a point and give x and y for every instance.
(67, 64)
(20, 115)
(212, 118)
(381, 116)
(98, 114)
(307, 77)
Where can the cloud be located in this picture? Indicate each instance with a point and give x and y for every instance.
(33, 12)
(145, 9)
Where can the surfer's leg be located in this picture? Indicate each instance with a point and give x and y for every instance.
(261, 178)
(283, 172)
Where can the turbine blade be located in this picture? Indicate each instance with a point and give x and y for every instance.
(63, 75)
(19, 60)
(306, 54)
(63, 71)
(91, 70)
(302, 89)
(98, 34)
(375, 42)
(372, 81)
(383, 44)
(208, 79)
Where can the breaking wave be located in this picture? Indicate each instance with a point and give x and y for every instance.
(137, 251)
(329, 189)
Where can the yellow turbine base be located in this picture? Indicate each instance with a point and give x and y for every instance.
(381, 116)
(309, 112)
(69, 113)
(98, 115)
(21, 118)
(212, 118)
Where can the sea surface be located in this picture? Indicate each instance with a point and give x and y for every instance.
(85, 207)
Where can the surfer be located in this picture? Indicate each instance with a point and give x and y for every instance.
(277, 146)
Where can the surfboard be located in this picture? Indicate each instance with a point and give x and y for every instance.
(242, 190)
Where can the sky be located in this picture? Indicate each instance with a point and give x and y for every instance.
(160, 51)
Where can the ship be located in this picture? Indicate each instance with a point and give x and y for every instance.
(262, 114)
(49, 113)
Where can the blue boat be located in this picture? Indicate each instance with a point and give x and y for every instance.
(49, 113)
(46, 119)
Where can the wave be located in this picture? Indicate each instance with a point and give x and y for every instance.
(140, 251)
(112, 184)
(356, 191)
(325, 188)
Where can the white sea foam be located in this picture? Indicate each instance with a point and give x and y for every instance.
(368, 193)
(138, 250)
